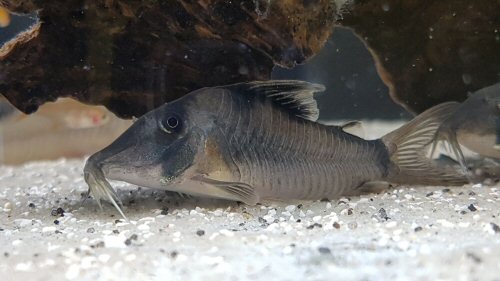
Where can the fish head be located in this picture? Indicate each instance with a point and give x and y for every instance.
(159, 148)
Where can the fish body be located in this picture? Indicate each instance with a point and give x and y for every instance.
(65, 128)
(4, 17)
(475, 124)
(260, 141)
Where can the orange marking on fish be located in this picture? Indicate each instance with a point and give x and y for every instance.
(4, 17)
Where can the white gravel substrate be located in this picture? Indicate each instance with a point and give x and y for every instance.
(407, 233)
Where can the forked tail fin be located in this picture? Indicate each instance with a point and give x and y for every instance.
(408, 147)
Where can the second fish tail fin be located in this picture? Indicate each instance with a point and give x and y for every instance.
(409, 145)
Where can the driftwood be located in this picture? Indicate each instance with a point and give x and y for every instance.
(132, 56)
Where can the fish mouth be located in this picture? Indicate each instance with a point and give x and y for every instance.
(99, 187)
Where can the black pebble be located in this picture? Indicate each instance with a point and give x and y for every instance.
(418, 228)
(99, 244)
(90, 230)
(472, 208)
(495, 227)
(128, 241)
(174, 254)
(200, 232)
(318, 225)
(383, 214)
(474, 257)
(57, 212)
(429, 194)
(31, 205)
(336, 225)
(56, 222)
(324, 250)
(115, 231)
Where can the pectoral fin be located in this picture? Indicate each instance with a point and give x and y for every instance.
(240, 191)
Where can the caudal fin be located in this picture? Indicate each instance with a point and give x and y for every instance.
(409, 145)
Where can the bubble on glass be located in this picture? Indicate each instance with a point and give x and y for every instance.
(466, 78)
(243, 70)
(350, 83)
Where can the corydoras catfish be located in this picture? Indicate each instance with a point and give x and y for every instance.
(475, 124)
(260, 141)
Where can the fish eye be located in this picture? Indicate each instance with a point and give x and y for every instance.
(170, 124)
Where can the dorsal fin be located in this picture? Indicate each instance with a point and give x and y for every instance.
(295, 96)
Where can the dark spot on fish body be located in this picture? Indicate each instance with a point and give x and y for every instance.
(177, 160)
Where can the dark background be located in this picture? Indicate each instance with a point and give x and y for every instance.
(344, 66)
